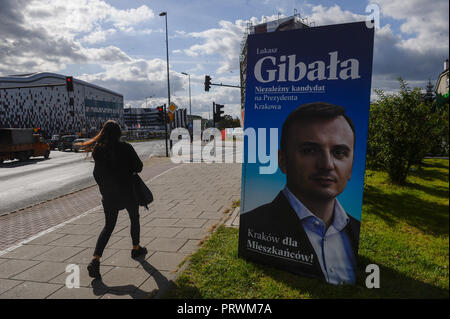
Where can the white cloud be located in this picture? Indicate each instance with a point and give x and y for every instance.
(425, 23)
(70, 18)
(416, 54)
(224, 41)
(46, 35)
(97, 36)
(136, 78)
(324, 16)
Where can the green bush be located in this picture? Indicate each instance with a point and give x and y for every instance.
(402, 129)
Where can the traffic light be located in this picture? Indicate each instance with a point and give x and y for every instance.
(160, 113)
(207, 82)
(219, 111)
(69, 83)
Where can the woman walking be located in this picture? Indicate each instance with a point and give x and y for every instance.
(115, 164)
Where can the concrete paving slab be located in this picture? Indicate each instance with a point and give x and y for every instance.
(31, 290)
(163, 232)
(190, 247)
(59, 253)
(91, 242)
(85, 280)
(13, 267)
(122, 258)
(70, 240)
(42, 272)
(74, 293)
(45, 239)
(165, 261)
(211, 215)
(127, 244)
(124, 279)
(126, 232)
(86, 255)
(76, 229)
(162, 222)
(166, 244)
(192, 233)
(6, 284)
(191, 222)
(158, 280)
(27, 252)
(186, 207)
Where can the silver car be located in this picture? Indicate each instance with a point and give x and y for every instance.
(76, 147)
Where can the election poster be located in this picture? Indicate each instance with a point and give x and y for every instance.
(306, 124)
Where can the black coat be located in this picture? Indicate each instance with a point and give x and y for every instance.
(114, 168)
(278, 219)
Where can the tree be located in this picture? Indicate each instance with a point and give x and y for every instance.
(228, 121)
(429, 92)
(402, 130)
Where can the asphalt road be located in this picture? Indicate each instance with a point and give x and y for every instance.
(23, 184)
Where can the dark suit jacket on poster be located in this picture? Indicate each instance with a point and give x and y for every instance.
(260, 228)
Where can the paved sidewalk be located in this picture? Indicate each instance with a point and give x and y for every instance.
(189, 200)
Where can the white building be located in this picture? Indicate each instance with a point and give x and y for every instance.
(41, 100)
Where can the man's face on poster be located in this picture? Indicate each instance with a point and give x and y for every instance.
(318, 158)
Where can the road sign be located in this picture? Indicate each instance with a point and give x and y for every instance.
(172, 107)
(171, 116)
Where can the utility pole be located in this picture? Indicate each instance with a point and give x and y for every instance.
(165, 128)
(214, 114)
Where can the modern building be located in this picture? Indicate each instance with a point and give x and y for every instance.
(283, 24)
(142, 118)
(147, 119)
(42, 100)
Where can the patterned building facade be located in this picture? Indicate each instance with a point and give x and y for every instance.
(42, 101)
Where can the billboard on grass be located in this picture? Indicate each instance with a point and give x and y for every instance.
(306, 122)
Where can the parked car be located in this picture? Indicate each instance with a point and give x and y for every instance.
(53, 144)
(66, 142)
(75, 147)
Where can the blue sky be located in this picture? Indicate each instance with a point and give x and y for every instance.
(120, 45)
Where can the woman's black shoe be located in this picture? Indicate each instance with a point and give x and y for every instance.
(94, 269)
(136, 253)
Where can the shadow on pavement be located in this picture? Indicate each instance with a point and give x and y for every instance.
(100, 288)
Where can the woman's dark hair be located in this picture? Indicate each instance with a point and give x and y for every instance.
(312, 111)
(108, 135)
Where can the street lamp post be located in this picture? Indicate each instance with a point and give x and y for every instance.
(164, 14)
(190, 107)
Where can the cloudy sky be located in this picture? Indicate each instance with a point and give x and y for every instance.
(120, 45)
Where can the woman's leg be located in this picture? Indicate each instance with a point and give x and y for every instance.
(135, 229)
(110, 223)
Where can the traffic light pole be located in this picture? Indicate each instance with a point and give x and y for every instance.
(214, 114)
(165, 127)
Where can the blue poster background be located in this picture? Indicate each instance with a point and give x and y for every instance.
(351, 41)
